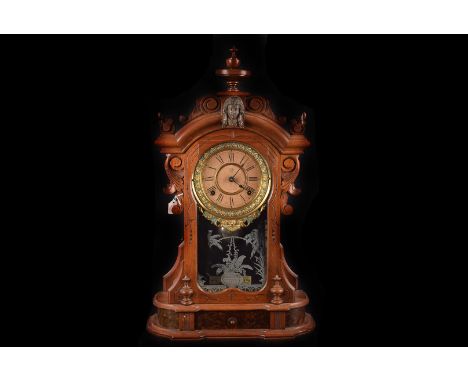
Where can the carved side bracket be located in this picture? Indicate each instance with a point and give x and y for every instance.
(174, 167)
(289, 172)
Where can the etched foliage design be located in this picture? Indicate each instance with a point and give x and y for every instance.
(240, 261)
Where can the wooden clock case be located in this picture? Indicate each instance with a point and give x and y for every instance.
(183, 309)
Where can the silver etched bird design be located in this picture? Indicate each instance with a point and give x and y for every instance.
(252, 239)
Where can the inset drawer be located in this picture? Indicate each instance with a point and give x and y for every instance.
(243, 319)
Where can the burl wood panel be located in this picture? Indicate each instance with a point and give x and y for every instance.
(256, 319)
(295, 317)
(168, 318)
(253, 319)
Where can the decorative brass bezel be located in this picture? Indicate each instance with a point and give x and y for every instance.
(235, 218)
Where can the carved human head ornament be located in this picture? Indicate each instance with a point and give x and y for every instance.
(233, 112)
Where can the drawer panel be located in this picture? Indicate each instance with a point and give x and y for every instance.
(248, 319)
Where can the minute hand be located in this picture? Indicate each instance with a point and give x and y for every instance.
(237, 172)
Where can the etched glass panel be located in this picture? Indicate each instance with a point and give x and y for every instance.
(232, 259)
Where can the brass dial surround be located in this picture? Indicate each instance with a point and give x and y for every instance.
(231, 218)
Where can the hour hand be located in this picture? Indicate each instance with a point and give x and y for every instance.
(233, 179)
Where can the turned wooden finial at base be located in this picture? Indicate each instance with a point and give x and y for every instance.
(186, 292)
(277, 291)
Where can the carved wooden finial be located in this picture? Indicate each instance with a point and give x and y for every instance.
(166, 124)
(277, 291)
(298, 125)
(186, 292)
(232, 74)
(233, 61)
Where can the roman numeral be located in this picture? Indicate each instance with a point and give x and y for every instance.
(218, 157)
(250, 168)
(231, 156)
(242, 197)
(231, 202)
(208, 178)
(220, 198)
(211, 167)
(253, 178)
(242, 160)
(212, 190)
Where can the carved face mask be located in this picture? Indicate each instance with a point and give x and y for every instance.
(232, 111)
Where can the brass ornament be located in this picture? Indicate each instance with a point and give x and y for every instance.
(231, 219)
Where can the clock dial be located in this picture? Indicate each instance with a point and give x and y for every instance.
(231, 181)
(231, 178)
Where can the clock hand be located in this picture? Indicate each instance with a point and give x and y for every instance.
(237, 171)
(232, 179)
(248, 189)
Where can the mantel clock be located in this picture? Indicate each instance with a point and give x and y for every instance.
(231, 166)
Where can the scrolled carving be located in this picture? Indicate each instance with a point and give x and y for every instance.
(260, 105)
(298, 125)
(256, 104)
(205, 105)
(174, 167)
(210, 104)
(289, 164)
(175, 163)
(289, 173)
(233, 112)
(286, 209)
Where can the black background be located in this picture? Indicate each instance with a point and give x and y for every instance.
(86, 234)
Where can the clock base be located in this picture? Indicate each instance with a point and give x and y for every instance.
(155, 328)
(204, 321)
